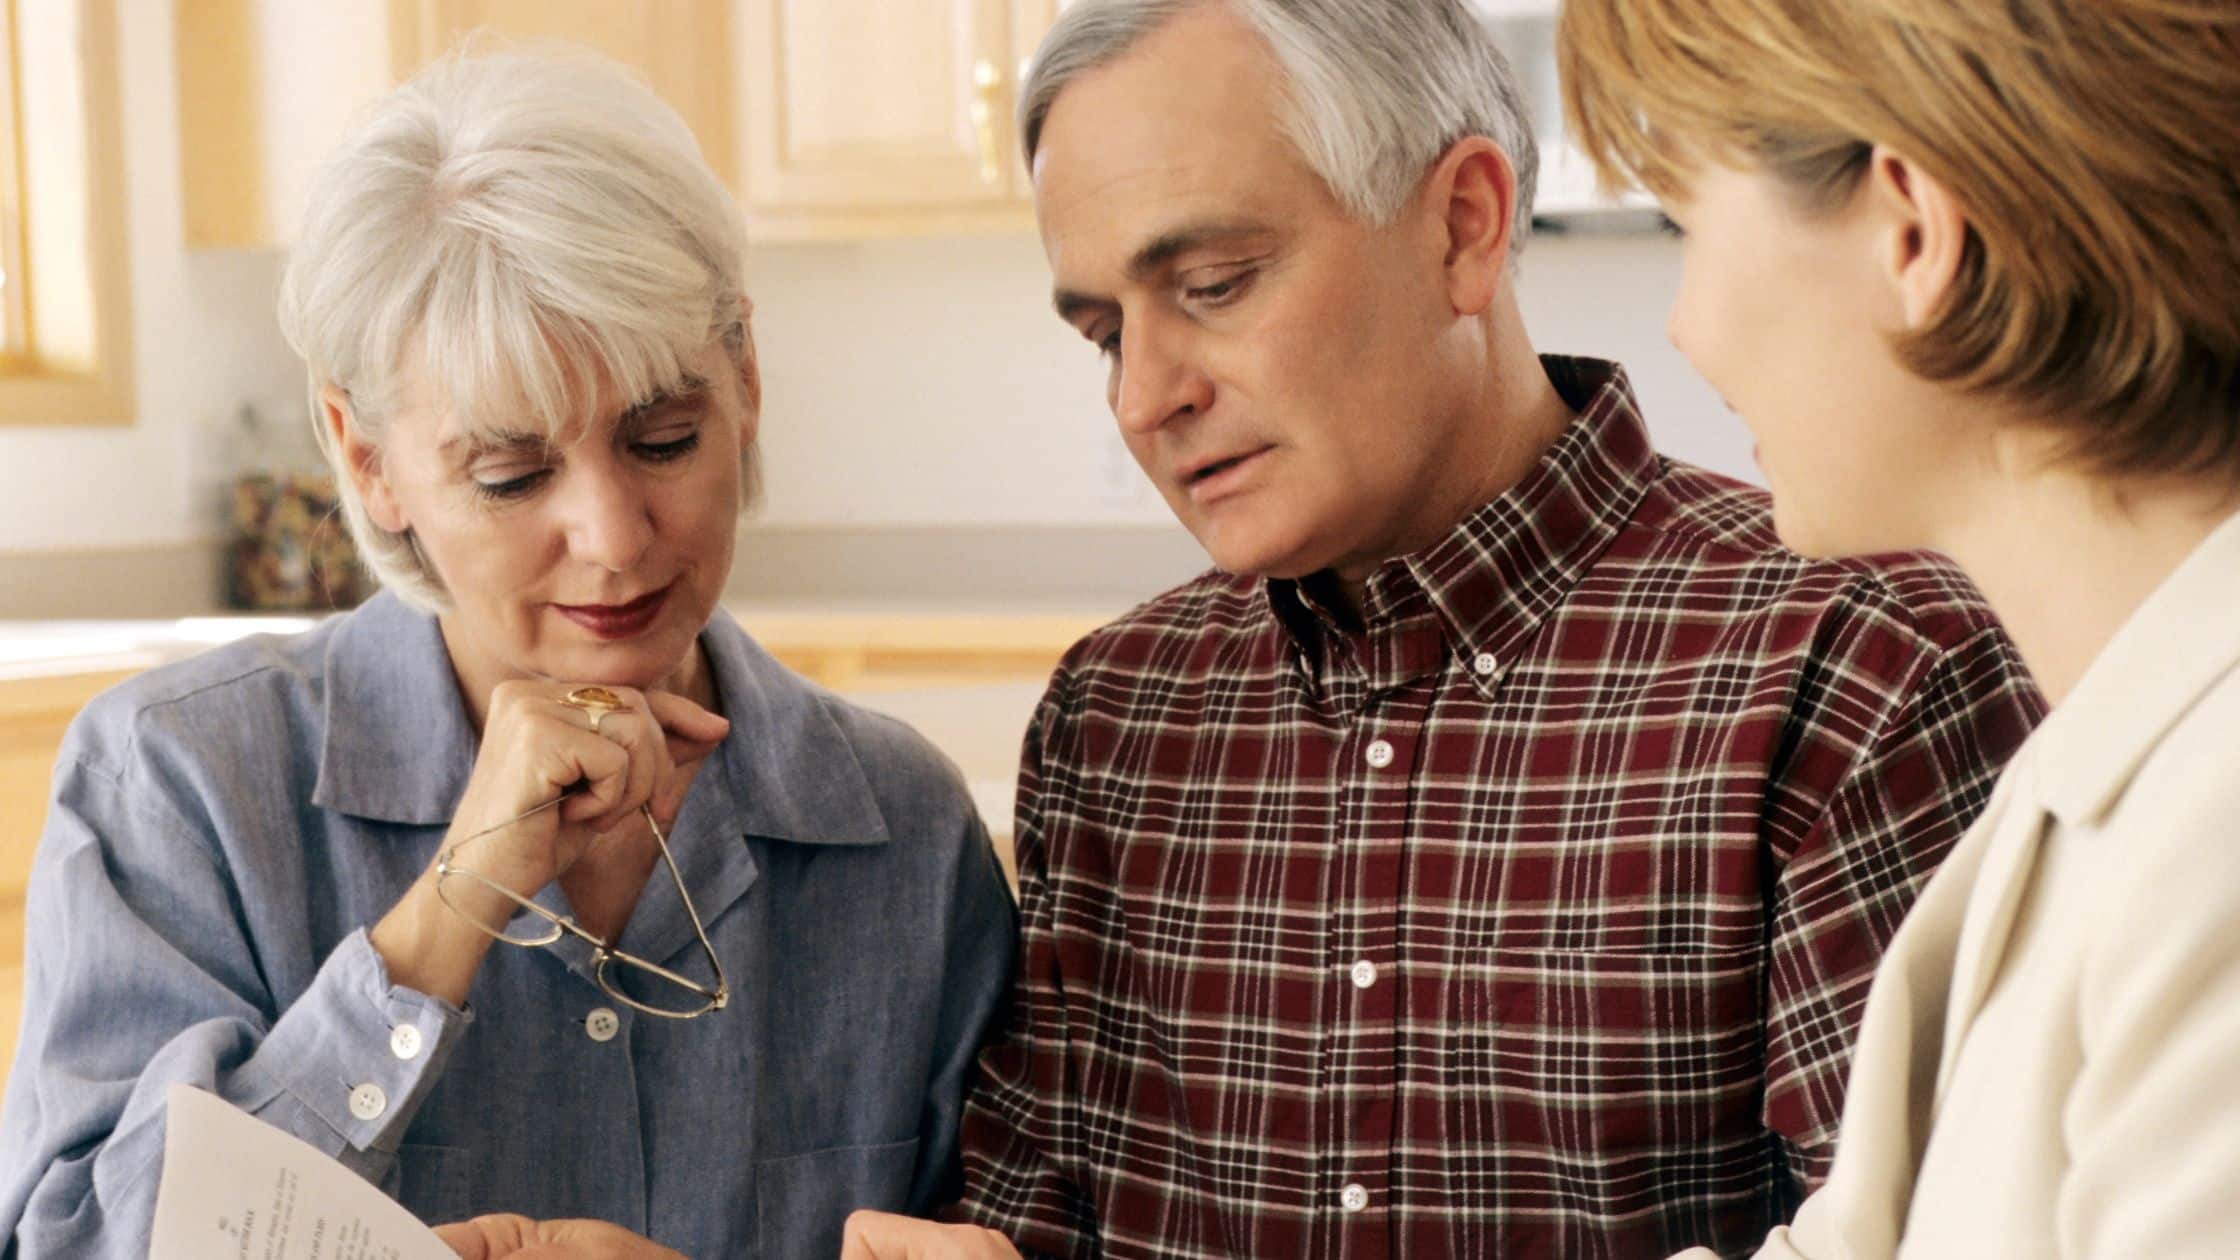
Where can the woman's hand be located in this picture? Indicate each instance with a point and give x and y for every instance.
(886, 1236)
(519, 1238)
(538, 747)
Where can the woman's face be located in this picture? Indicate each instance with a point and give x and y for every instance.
(1789, 315)
(598, 557)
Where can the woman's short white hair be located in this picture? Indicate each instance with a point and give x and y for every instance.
(1377, 89)
(509, 230)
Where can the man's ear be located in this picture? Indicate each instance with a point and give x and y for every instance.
(1472, 192)
(1923, 233)
(361, 461)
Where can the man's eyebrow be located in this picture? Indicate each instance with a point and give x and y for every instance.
(1156, 253)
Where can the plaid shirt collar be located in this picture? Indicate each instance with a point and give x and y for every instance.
(1481, 592)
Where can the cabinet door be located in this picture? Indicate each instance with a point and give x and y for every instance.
(871, 105)
(681, 47)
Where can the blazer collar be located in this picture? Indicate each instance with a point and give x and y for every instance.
(2172, 650)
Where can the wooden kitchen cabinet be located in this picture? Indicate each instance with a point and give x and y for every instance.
(886, 117)
(832, 119)
(683, 48)
(267, 88)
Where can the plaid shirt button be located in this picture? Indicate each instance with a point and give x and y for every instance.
(1485, 664)
(1364, 974)
(1379, 754)
(1354, 1197)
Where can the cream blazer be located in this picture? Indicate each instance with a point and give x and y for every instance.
(2049, 1064)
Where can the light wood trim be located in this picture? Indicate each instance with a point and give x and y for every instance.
(882, 652)
(221, 126)
(15, 299)
(822, 189)
(691, 40)
(103, 396)
(54, 698)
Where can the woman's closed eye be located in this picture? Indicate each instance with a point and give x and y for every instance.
(504, 484)
(667, 442)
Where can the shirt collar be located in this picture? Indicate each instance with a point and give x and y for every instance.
(2167, 654)
(1496, 575)
(398, 745)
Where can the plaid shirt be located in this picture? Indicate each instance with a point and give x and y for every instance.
(1530, 915)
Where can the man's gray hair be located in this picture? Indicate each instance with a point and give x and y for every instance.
(1377, 89)
(507, 231)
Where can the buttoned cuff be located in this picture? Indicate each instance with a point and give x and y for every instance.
(359, 1052)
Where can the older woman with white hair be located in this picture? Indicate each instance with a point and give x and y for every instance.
(534, 883)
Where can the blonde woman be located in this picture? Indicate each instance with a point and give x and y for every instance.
(1970, 272)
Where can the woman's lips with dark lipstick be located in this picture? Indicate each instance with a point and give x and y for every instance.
(616, 621)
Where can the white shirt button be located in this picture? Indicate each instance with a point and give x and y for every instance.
(367, 1102)
(601, 1025)
(1354, 1197)
(1364, 974)
(1379, 754)
(404, 1041)
(1485, 664)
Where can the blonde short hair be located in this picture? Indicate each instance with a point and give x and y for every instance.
(2094, 146)
(512, 228)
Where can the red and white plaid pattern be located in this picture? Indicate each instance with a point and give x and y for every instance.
(1533, 919)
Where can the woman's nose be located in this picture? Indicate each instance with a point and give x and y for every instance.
(609, 519)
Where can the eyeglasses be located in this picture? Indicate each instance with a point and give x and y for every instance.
(691, 998)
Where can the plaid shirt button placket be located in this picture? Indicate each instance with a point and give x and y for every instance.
(1614, 804)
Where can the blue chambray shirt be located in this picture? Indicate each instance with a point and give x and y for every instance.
(223, 831)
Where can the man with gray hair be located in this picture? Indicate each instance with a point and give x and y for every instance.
(1491, 855)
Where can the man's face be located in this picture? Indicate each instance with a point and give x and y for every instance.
(1282, 371)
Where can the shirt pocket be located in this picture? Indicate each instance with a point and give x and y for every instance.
(801, 1201)
(1602, 1055)
(435, 1183)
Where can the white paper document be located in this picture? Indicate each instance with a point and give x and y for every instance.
(235, 1188)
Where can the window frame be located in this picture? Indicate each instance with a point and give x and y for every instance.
(15, 305)
(35, 392)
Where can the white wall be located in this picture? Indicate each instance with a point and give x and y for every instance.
(1607, 296)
